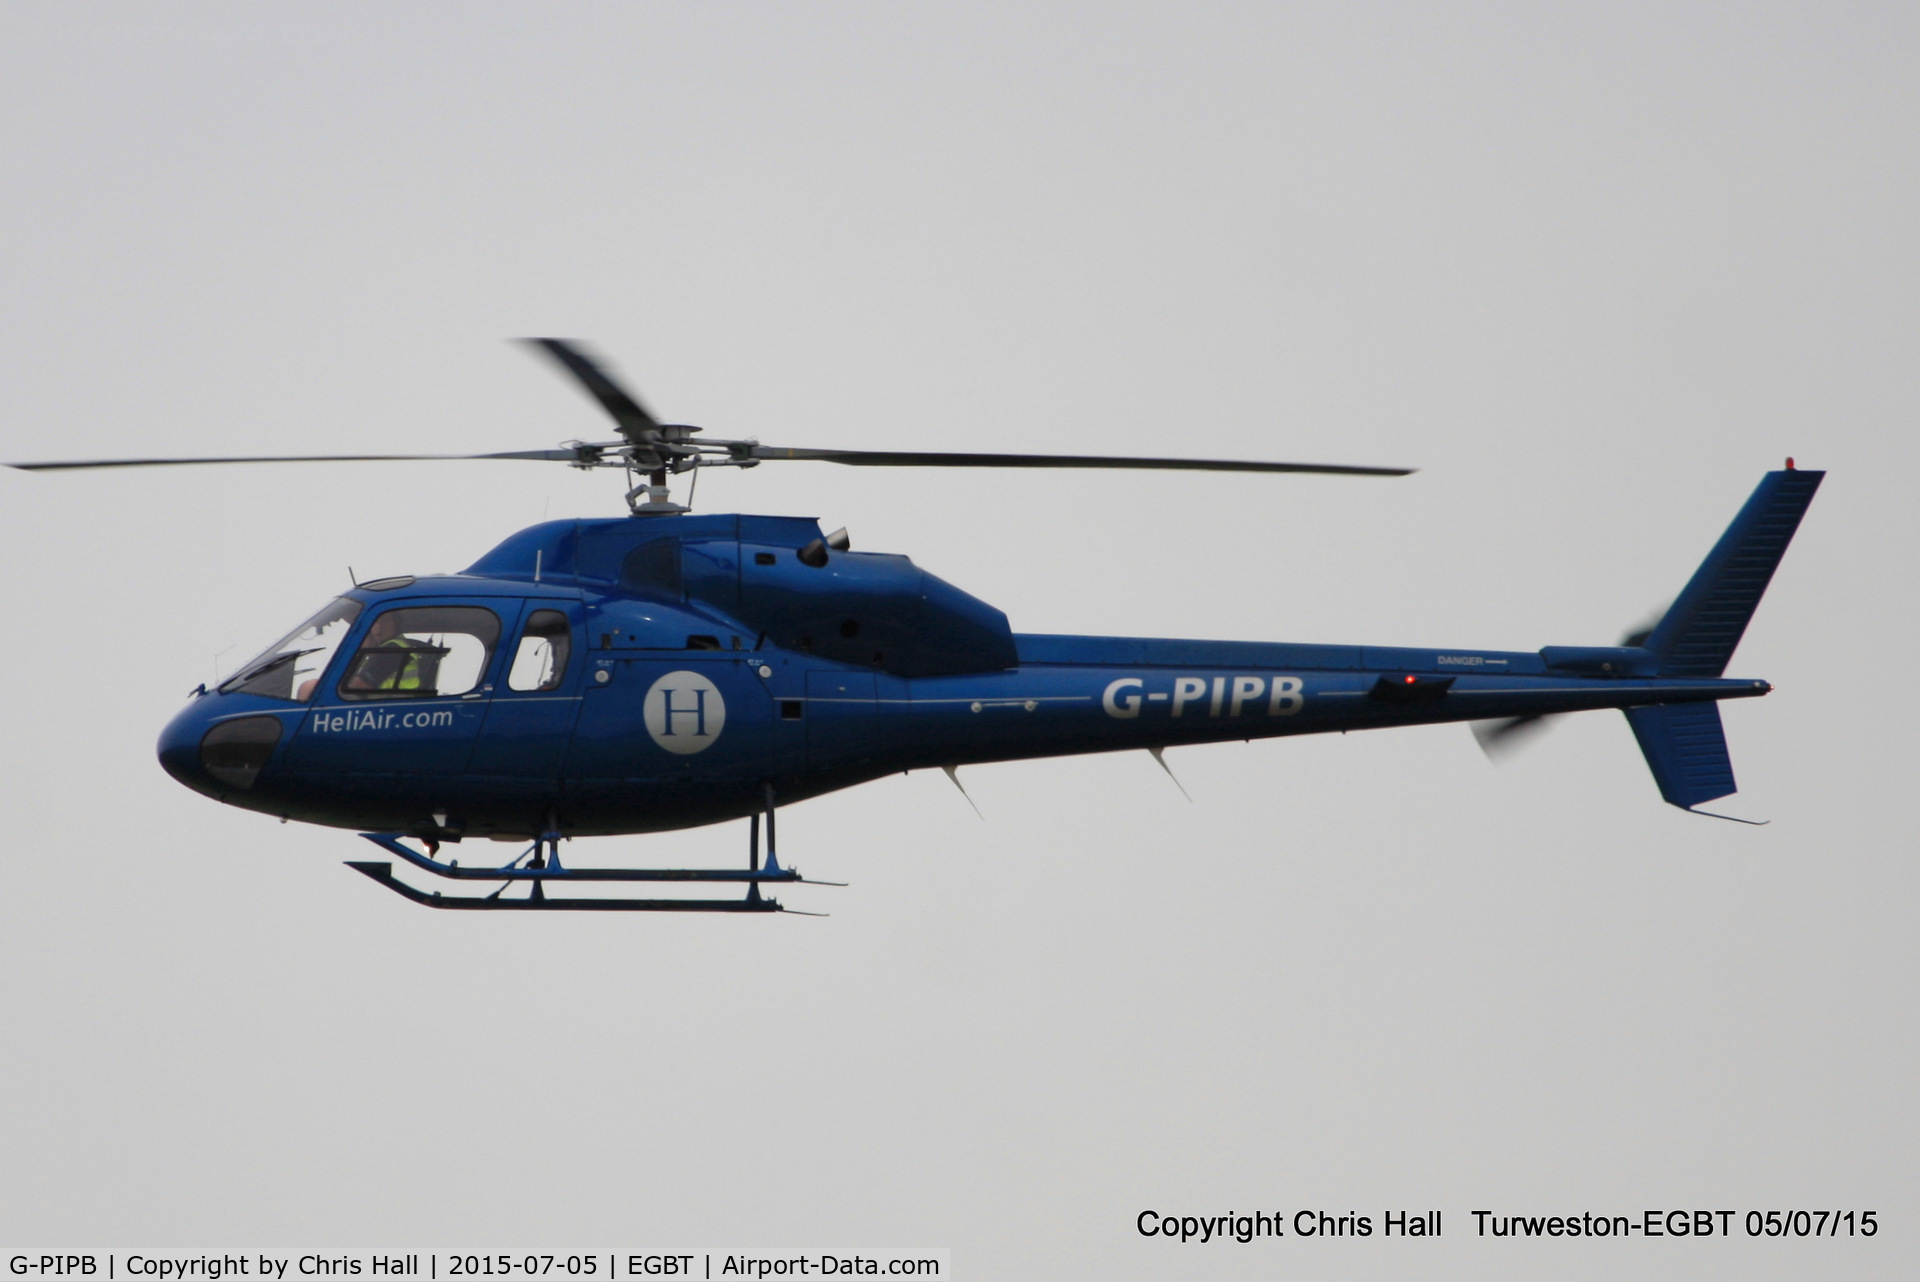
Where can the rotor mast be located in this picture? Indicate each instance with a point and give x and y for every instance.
(648, 446)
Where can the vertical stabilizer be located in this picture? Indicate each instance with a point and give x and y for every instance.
(1698, 635)
(1684, 744)
(1686, 749)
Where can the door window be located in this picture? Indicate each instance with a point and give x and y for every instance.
(422, 653)
(541, 661)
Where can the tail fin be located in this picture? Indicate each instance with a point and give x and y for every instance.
(1686, 749)
(1683, 743)
(1698, 635)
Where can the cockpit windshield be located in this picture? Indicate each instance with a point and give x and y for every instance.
(291, 666)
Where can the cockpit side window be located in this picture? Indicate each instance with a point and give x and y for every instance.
(541, 661)
(423, 652)
(291, 666)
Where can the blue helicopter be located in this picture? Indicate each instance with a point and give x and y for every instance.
(666, 670)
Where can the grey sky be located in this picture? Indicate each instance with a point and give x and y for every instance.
(1592, 270)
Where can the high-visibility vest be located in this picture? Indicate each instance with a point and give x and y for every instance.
(409, 668)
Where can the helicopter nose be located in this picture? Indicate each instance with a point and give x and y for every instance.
(214, 754)
(179, 747)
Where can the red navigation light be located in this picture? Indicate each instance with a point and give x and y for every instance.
(1409, 678)
(1789, 462)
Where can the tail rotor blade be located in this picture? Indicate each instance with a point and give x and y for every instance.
(1502, 738)
(1638, 636)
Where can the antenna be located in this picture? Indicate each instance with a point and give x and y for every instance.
(953, 773)
(1159, 755)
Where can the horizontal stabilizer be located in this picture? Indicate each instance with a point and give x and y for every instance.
(1686, 749)
(1698, 635)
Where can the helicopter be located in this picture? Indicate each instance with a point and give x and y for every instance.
(666, 670)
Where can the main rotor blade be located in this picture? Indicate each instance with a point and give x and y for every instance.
(557, 456)
(635, 423)
(910, 458)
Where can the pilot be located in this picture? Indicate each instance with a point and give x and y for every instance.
(390, 660)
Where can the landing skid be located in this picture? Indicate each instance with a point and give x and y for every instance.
(548, 868)
(538, 901)
(542, 865)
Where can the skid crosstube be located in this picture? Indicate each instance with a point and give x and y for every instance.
(552, 871)
(383, 873)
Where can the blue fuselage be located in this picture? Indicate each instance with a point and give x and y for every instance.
(680, 683)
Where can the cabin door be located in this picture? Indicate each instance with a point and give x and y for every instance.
(531, 713)
(411, 698)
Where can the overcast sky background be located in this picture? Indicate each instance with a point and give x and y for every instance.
(1593, 273)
